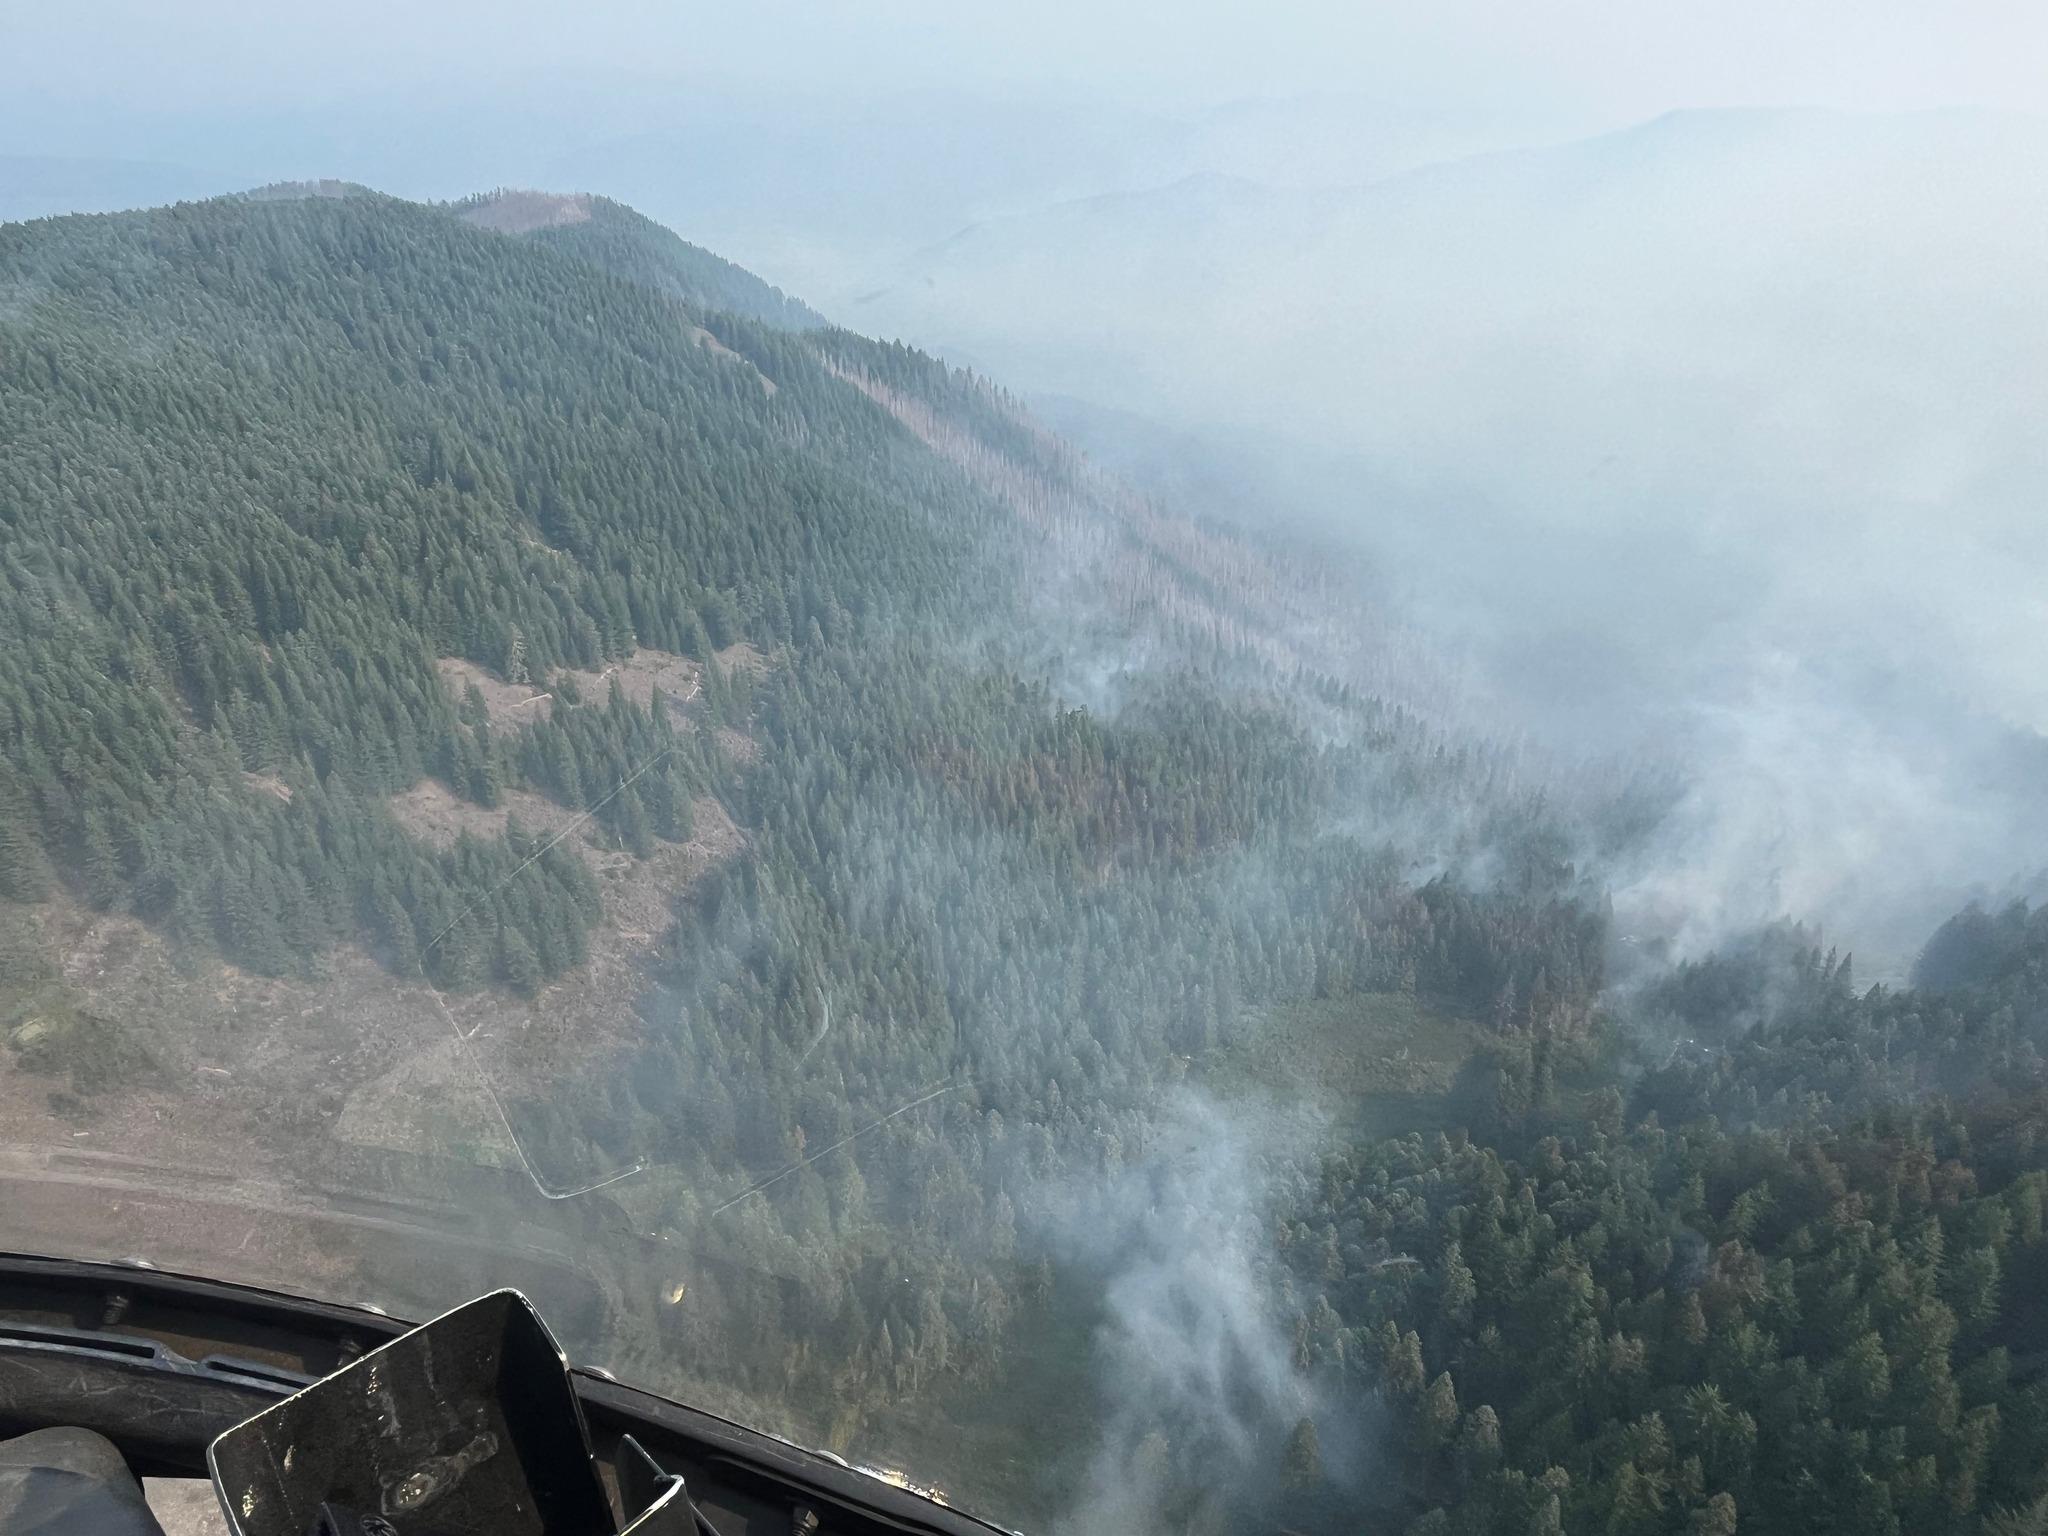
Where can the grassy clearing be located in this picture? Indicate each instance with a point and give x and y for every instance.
(1383, 1061)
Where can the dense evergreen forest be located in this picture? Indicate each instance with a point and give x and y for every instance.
(1735, 1246)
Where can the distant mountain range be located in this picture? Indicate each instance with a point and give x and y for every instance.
(1753, 241)
(810, 192)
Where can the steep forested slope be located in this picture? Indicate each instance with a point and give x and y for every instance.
(266, 461)
(276, 466)
(1040, 812)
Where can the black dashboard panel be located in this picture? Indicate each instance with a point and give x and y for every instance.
(161, 1363)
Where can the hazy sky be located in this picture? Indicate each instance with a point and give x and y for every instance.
(1589, 62)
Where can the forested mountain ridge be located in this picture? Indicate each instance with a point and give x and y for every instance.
(627, 244)
(251, 477)
(1002, 814)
